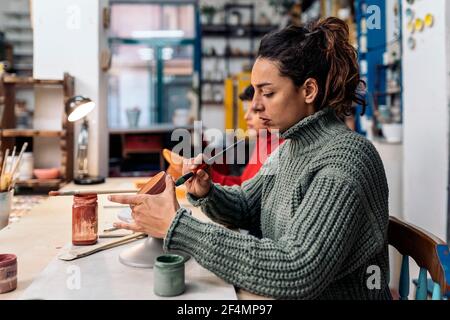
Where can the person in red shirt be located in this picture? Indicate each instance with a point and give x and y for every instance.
(263, 146)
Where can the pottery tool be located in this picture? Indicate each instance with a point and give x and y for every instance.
(86, 192)
(76, 253)
(205, 164)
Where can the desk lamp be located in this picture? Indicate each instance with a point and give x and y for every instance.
(78, 107)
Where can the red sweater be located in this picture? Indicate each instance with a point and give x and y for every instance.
(260, 153)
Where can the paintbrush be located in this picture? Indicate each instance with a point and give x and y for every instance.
(205, 164)
(16, 164)
(86, 192)
(13, 158)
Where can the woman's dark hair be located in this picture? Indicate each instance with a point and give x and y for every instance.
(247, 94)
(321, 51)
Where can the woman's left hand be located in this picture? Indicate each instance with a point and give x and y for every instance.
(152, 214)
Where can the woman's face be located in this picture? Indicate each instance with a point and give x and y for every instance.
(254, 122)
(278, 103)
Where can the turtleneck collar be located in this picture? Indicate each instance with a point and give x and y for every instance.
(314, 128)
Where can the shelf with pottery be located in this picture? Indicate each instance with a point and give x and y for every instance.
(52, 177)
(155, 128)
(33, 183)
(31, 133)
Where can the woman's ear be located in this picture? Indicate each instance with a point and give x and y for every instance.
(311, 90)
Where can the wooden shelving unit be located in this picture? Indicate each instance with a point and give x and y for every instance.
(29, 81)
(32, 133)
(33, 183)
(9, 84)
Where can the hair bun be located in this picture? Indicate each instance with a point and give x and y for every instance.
(332, 26)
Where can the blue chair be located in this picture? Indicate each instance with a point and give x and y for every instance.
(429, 252)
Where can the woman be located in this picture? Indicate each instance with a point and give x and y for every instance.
(263, 146)
(321, 204)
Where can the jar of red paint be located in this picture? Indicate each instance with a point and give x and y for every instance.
(8, 272)
(84, 219)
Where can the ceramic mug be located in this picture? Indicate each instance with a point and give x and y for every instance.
(168, 275)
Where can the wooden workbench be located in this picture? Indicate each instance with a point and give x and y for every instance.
(38, 237)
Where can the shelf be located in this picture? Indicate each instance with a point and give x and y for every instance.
(389, 65)
(156, 128)
(243, 56)
(389, 92)
(221, 82)
(32, 183)
(18, 13)
(222, 30)
(209, 102)
(31, 133)
(11, 79)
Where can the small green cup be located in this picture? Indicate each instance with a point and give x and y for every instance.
(168, 275)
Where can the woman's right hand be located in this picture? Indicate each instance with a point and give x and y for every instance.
(200, 184)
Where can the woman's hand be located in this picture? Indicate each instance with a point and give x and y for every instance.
(152, 214)
(200, 184)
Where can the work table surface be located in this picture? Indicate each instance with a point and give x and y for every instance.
(37, 238)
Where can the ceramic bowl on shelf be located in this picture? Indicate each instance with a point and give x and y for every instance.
(45, 174)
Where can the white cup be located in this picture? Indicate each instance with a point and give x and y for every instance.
(26, 166)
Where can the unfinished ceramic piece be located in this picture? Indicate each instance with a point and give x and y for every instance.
(175, 161)
(155, 184)
(144, 254)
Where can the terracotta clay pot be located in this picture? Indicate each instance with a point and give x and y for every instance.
(8, 272)
(175, 161)
(155, 185)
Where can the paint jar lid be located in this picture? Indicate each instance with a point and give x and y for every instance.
(85, 199)
(7, 260)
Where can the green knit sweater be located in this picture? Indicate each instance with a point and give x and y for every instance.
(321, 206)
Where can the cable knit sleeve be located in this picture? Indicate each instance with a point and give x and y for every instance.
(236, 206)
(301, 263)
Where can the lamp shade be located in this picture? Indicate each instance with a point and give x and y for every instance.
(78, 107)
